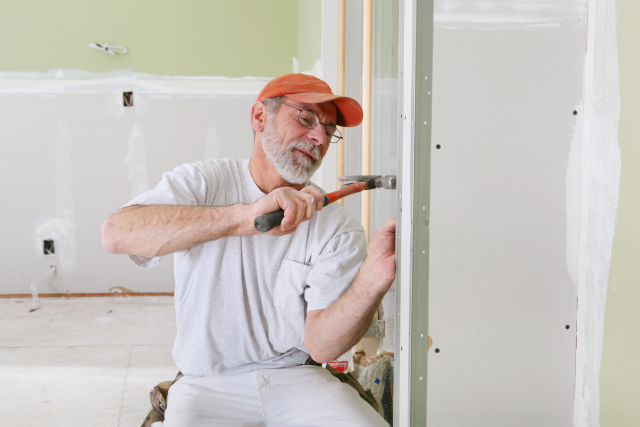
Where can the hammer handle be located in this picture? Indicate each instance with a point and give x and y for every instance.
(268, 222)
(344, 192)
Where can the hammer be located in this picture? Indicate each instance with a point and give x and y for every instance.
(351, 185)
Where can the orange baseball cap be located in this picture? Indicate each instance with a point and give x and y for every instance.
(312, 90)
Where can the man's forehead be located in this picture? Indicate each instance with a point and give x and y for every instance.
(326, 111)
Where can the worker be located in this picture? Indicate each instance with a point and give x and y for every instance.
(258, 312)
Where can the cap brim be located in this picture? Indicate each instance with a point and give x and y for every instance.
(349, 110)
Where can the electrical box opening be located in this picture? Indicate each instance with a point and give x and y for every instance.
(127, 99)
(48, 247)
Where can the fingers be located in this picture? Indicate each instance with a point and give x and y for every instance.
(318, 197)
(388, 227)
(311, 208)
(299, 213)
(298, 207)
(384, 238)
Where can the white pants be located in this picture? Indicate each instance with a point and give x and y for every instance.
(300, 396)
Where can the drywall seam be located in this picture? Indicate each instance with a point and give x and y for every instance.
(76, 81)
(505, 14)
(73, 74)
(166, 88)
(62, 228)
(79, 81)
(601, 184)
(137, 161)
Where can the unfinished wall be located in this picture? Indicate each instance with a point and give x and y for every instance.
(71, 153)
(69, 160)
(508, 93)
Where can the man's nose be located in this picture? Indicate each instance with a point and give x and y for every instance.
(318, 135)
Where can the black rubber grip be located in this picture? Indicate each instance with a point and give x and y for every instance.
(268, 222)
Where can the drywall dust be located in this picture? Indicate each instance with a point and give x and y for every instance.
(137, 161)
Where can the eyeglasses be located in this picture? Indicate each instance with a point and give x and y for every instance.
(310, 120)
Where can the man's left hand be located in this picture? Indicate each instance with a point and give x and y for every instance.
(381, 252)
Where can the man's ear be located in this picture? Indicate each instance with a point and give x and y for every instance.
(258, 116)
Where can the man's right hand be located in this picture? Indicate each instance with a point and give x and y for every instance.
(160, 230)
(298, 206)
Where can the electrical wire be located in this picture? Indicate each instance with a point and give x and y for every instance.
(113, 50)
(34, 284)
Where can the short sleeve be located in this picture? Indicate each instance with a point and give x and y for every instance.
(186, 185)
(335, 269)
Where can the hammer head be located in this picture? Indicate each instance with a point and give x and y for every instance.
(373, 181)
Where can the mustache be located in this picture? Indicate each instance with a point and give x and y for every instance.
(308, 146)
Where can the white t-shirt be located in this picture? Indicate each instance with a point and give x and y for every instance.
(241, 301)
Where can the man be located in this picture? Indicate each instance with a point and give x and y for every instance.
(254, 311)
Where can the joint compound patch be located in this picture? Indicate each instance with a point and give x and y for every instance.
(504, 14)
(62, 228)
(137, 161)
(212, 145)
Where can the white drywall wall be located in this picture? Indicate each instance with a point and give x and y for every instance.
(505, 211)
(72, 154)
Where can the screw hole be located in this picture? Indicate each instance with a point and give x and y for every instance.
(567, 327)
(438, 146)
(575, 112)
(437, 350)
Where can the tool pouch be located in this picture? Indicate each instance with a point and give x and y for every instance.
(159, 396)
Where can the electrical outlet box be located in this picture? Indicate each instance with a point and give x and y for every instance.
(48, 247)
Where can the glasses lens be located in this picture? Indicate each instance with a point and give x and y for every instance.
(308, 119)
(335, 136)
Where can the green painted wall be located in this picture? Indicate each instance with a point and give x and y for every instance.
(620, 372)
(231, 38)
(309, 47)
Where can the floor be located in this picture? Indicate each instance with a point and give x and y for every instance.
(83, 361)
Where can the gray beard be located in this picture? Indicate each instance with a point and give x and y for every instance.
(293, 169)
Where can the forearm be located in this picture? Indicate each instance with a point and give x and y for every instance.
(341, 325)
(161, 230)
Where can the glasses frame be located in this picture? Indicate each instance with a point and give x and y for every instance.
(300, 110)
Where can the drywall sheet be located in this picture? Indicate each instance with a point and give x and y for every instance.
(71, 154)
(505, 212)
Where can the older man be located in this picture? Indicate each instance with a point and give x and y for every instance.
(254, 311)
